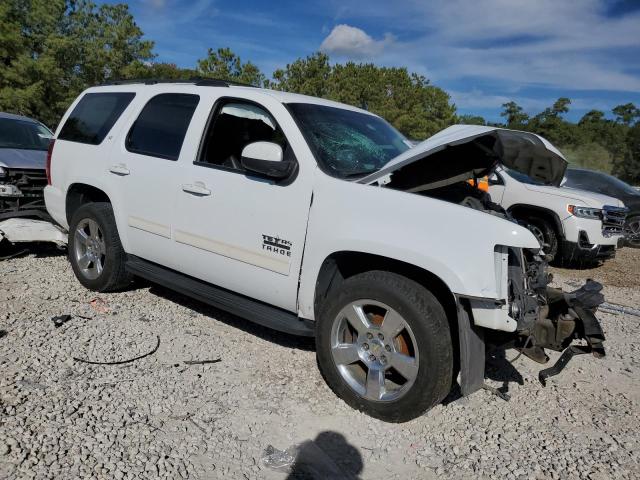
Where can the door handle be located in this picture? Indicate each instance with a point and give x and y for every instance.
(197, 188)
(119, 169)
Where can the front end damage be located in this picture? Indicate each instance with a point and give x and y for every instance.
(546, 317)
(529, 315)
(21, 193)
(549, 318)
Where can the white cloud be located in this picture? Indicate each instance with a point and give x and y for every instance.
(347, 41)
(572, 45)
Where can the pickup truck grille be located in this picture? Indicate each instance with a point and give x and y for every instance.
(613, 219)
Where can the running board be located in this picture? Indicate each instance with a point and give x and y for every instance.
(245, 307)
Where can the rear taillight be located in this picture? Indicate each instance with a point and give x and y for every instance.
(48, 164)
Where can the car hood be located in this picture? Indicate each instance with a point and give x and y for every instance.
(19, 158)
(524, 152)
(585, 198)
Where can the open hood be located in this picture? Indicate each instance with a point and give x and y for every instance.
(461, 152)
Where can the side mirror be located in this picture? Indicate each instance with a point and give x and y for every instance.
(265, 158)
(494, 179)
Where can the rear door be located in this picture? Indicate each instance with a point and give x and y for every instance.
(143, 167)
(236, 229)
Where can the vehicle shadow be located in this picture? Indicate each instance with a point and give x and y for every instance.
(497, 368)
(329, 455)
(40, 250)
(280, 338)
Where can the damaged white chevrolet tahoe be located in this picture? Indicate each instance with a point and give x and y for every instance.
(316, 218)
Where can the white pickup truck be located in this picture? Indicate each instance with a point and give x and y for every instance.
(316, 218)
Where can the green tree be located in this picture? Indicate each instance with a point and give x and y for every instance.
(592, 117)
(226, 65)
(515, 115)
(626, 114)
(50, 50)
(168, 71)
(469, 119)
(308, 76)
(408, 101)
(628, 169)
(550, 124)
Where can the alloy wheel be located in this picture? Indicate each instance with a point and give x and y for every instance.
(374, 350)
(89, 248)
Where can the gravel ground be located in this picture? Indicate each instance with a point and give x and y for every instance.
(159, 417)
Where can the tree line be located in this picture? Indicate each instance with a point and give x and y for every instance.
(50, 50)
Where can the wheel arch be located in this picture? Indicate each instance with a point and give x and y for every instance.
(80, 193)
(522, 210)
(341, 265)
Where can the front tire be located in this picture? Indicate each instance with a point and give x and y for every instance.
(384, 346)
(95, 252)
(633, 232)
(545, 234)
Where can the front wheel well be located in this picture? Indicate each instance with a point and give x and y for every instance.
(523, 212)
(342, 265)
(80, 193)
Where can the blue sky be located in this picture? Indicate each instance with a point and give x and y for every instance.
(482, 52)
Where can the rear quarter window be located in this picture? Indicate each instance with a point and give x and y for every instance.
(94, 116)
(160, 128)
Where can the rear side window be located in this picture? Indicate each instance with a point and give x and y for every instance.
(160, 129)
(95, 114)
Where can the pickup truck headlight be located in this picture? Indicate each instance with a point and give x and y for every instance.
(3, 172)
(585, 212)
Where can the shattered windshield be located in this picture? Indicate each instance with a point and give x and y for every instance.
(348, 143)
(23, 135)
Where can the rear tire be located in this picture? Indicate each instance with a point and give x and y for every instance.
(95, 252)
(391, 377)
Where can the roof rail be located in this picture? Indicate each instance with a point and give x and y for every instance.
(198, 81)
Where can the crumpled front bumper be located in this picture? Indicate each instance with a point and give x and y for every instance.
(565, 319)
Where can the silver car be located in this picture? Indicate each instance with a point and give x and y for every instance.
(23, 152)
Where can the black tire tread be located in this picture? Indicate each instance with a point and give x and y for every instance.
(115, 276)
(426, 306)
(549, 231)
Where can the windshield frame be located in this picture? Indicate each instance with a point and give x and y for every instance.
(350, 176)
(36, 126)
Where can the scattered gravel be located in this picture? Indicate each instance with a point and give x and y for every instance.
(158, 417)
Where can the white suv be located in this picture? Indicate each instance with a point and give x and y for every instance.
(314, 218)
(574, 226)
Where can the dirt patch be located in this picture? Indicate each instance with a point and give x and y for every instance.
(621, 271)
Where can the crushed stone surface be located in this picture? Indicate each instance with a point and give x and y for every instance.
(158, 417)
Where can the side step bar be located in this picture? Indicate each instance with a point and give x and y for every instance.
(245, 307)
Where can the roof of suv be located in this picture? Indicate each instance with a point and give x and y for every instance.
(282, 97)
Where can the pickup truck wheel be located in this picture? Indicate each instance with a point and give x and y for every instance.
(95, 252)
(384, 346)
(545, 234)
(633, 232)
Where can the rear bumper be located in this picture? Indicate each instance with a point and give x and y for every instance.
(54, 199)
